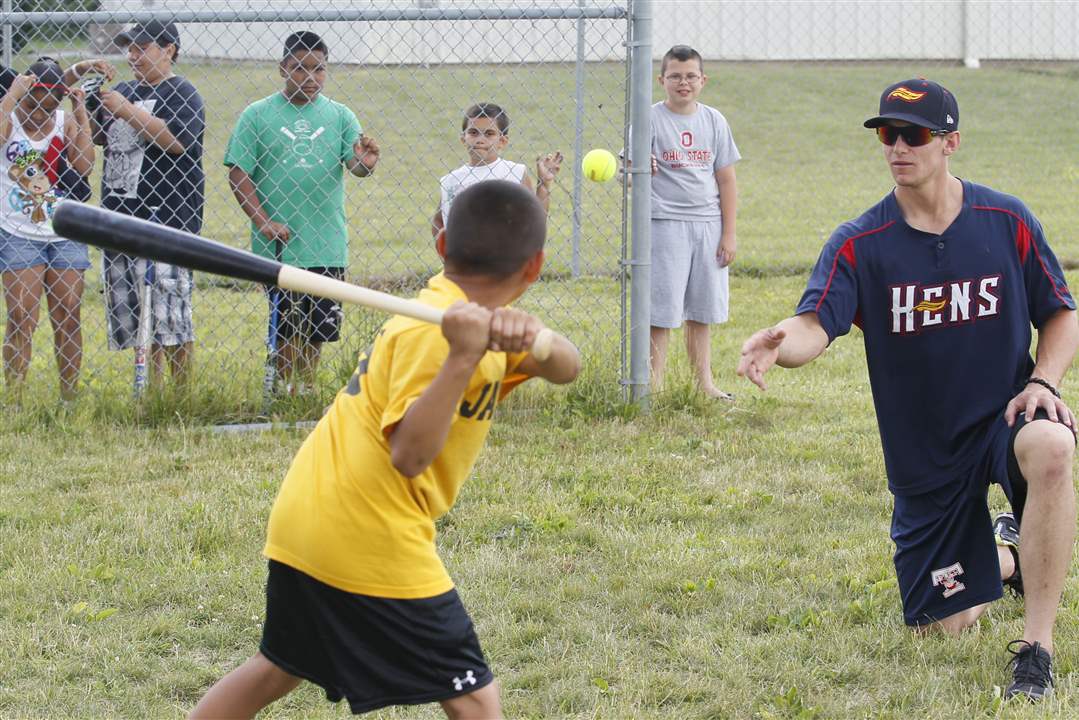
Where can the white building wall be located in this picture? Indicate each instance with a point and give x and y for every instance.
(719, 29)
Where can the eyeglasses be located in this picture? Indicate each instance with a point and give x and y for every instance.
(913, 135)
(677, 79)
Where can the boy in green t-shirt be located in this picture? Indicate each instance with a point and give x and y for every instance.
(286, 159)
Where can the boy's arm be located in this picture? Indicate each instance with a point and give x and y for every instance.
(97, 65)
(420, 435)
(437, 223)
(365, 154)
(149, 127)
(513, 331)
(728, 203)
(547, 167)
(243, 189)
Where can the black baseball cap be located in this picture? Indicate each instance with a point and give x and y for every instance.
(919, 102)
(48, 73)
(162, 33)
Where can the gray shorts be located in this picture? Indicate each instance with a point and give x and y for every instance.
(687, 281)
(170, 301)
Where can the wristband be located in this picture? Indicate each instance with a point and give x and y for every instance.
(1044, 383)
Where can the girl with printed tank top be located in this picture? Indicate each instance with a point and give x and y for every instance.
(47, 154)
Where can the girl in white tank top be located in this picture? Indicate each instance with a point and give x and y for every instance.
(29, 178)
(38, 142)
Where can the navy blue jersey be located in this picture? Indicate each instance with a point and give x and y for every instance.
(946, 322)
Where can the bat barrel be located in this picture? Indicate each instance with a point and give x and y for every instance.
(140, 238)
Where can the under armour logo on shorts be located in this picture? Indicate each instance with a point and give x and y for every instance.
(459, 683)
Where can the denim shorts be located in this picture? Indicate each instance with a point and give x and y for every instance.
(17, 253)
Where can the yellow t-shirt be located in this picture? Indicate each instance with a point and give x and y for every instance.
(344, 515)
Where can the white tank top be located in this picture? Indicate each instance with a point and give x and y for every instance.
(27, 176)
(467, 175)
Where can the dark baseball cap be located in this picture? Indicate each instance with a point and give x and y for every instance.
(162, 33)
(919, 102)
(48, 73)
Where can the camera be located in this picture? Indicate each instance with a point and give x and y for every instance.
(92, 87)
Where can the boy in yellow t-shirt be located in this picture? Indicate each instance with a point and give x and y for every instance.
(357, 599)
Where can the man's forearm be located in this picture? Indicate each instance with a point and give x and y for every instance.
(1058, 340)
(805, 340)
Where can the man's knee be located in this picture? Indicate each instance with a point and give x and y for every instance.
(1045, 451)
(957, 623)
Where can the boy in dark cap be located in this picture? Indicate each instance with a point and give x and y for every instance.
(152, 130)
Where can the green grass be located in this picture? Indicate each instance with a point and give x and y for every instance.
(701, 561)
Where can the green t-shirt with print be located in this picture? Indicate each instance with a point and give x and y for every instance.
(295, 155)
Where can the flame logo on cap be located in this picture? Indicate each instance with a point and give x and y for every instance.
(905, 94)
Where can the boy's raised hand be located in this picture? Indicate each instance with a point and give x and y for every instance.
(513, 330)
(366, 150)
(467, 328)
(547, 167)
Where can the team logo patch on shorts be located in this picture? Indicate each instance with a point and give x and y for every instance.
(949, 578)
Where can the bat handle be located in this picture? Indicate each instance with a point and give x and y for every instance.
(541, 346)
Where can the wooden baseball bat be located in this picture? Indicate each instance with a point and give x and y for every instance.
(132, 236)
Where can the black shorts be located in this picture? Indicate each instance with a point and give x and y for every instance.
(372, 651)
(946, 556)
(308, 317)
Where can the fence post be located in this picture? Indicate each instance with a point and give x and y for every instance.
(641, 198)
(578, 147)
(9, 35)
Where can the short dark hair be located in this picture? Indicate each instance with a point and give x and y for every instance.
(494, 228)
(304, 41)
(488, 110)
(681, 53)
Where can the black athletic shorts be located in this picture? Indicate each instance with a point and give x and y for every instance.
(945, 553)
(372, 651)
(311, 318)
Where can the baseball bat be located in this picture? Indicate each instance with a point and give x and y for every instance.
(140, 238)
(269, 379)
(144, 334)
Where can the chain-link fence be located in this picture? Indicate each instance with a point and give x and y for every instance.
(332, 135)
(785, 74)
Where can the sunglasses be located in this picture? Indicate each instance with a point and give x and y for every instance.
(913, 135)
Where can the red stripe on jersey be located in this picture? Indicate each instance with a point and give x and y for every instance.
(1024, 242)
(847, 253)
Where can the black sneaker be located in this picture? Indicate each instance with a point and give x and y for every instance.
(1006, 532)
(1032, 670)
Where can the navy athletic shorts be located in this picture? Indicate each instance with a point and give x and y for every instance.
(946, 556)
(372, 651)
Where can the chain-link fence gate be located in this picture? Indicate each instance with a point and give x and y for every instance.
(400, 75)
(794, 78)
